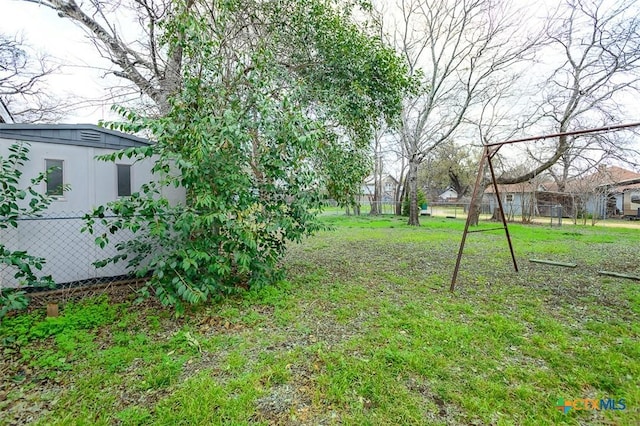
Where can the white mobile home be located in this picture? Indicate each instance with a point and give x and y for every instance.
(628, 198)
(72, 150)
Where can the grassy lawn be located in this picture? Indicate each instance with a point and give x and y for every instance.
(363, 332)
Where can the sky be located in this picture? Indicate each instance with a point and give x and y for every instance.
(83, 75)
(67, 46)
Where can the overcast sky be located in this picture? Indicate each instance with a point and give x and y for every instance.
(66, 43)
(45, 32)
(82, 77)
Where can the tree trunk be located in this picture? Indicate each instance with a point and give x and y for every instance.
(376, 207)
(400, 189)
(400, 194)
(475, 209)
(375, 204)
(412, 177)
(496, 216)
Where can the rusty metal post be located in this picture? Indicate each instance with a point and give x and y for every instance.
(504, 219)
(485, 157)
(52, 309)
(488, 152)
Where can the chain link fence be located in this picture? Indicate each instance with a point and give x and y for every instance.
(449, 210)
(515, 211)
(69, 253)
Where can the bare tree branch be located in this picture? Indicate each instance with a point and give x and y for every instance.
(155, 72)
(460, 49)
(601, 49)
(23, 89)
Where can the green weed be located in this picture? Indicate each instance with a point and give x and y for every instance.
(363, 331)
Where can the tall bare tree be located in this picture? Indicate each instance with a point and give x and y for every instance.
(594, 67)
(591, 68)
(23, 76)
(460, 50)
(128, 33)
(378, 166)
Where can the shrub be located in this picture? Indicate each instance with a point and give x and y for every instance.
(252, 137)
(16, 202)
(422, 199)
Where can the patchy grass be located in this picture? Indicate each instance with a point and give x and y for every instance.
(363, 332)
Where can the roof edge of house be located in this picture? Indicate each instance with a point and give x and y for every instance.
(59, 133)
(79, 126)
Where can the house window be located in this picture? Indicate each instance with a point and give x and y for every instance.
(55, 180)
(124, 180)
(509, 198)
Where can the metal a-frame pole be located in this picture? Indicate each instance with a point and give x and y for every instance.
(504, 219)
(487, 156)
(483, 159)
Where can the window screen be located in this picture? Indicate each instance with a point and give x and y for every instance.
(54, 177)
(124, 180)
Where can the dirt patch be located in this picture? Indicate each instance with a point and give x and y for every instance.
(283, 405)
(437, 411)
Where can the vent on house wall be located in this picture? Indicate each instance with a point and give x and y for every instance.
(89, 135)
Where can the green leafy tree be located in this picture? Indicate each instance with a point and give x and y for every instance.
(346, 170)
(449, 165)
(422, 200)
(16, 202)
(277, 101)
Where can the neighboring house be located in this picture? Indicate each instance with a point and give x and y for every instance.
(618, 189)
(602, 192)
(70, 152)
(599, 193)
(449, 195)
(389, 186)
(534, 199)
(629, 195)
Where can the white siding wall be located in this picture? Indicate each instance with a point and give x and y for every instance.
(92, 182)
(70, 253)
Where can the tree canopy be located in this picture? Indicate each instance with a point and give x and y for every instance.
(274, 97)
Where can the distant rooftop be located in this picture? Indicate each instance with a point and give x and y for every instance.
(88, 135)
(603, 176)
